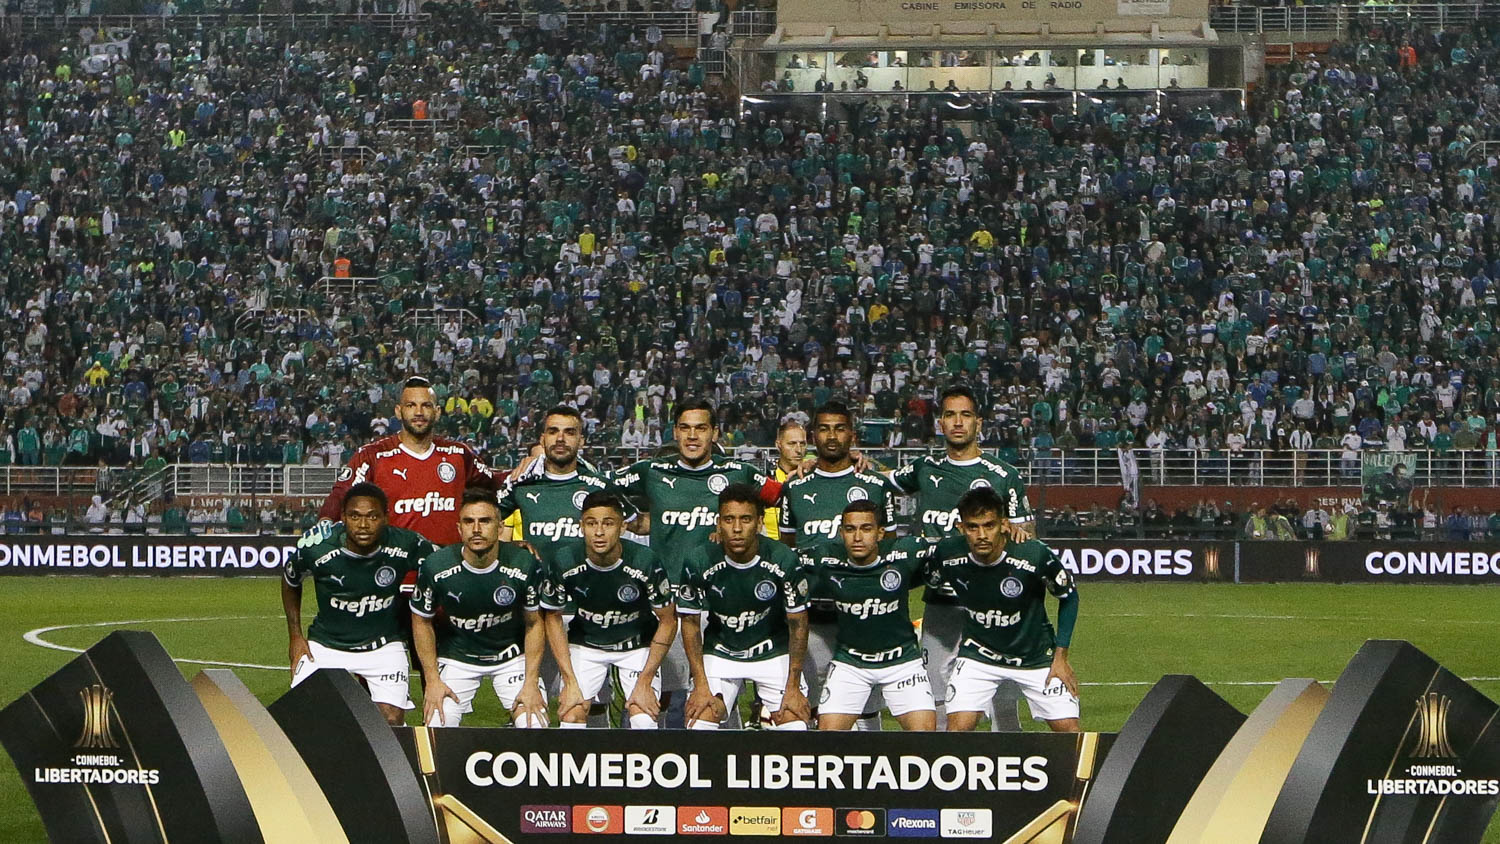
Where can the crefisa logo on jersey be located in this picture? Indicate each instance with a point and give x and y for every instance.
(980, 483)
(505, 596)
(578, 498)
(765, 590)
(890, 580)
(1010, 587)
(717, 483)
(856, 493)
(446, 472)
(385, 576)
(628, 594)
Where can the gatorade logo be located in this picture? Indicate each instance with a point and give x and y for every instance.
(598, 820)
(798, 821)
(861, 823)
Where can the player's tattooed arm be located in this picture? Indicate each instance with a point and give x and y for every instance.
(794, 704)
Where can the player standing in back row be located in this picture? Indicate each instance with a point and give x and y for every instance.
(680, 494)
(938, 483)
(1006, 637)
(812, 508)
(423, 474)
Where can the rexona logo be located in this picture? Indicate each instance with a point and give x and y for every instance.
(702, 820)
(546, 819)
(913, 823)
(650, 820)
(754, 820)
(861, 823)
(797, 821)
(598, 820)
(967, 823)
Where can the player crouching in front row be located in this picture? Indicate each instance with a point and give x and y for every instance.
(753, 595)
(476, 614)
(623, 616)
(1006, 635)
(357, 568)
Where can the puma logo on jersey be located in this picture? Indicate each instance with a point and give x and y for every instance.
(338, 578)
(457, 596)
(581, 591)
(810, 499)
(936, 479)
(717, 590)
(838, 582)
(401, 472)
(670, 481)
(534, 497)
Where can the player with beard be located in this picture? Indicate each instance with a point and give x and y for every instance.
(548, 495)
(938, 483)
(812, 508)
(673, 491)
(356, 570)
(423, 474)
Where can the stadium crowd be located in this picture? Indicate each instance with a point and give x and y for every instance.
(585, 217)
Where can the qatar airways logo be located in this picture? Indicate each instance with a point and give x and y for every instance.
(425, 506)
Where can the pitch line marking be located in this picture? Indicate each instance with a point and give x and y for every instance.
(1255, 617)
(35, 638)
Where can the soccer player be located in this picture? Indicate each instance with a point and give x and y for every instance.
(812, 508)
(356, 571)
(744, 617)
(623, 616)
(938, 482)
(476, 615)
(870, 582)
(425, 475)
(1001, 586)
(678, 494)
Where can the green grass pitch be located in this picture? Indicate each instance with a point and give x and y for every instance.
(1239, 639)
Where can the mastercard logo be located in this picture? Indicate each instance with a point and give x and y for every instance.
(860, 819)
(861, 822)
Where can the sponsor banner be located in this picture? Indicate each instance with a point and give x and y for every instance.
(104, 554)
(1090, 559)
(1372, 562)
(618, 784)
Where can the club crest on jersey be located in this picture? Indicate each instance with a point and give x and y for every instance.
(856, 493)
(446, 472)
(578, 498)
(980, 483)
(628, 594)
(505, 596)
(345, 474)
(765, 590)
(890, 580)
(1010, 587)
(385, 576)
(717, 483)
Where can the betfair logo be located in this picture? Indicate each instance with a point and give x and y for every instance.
(96, 730)
(1432, 727)
(748, 820)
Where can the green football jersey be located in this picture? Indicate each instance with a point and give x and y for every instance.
(939, 482)
(479, 613)
(1007, 621)
(357, 594)
(745, 605)
(613, 608)
(812, 506)
(683, 501)
(872, 602)
(550, 507)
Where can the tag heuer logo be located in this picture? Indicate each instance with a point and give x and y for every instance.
(890, 580)
(446, 472)
(1010, 587)
(717, 483)
(856, 493)
(385, 576)
(96, 732)
(1432, 727)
